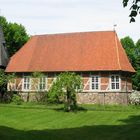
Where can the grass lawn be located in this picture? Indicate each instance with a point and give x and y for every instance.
(40, 122)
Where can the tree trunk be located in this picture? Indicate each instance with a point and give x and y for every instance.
(28, 97)
(68, 102)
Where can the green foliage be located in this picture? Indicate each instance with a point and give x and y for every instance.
(15, 35)
(65, 88)
(130, 49)
(134, 9)
(16, 99)
(55, 94)
(4, 78)
(136, 80)
(133, 53)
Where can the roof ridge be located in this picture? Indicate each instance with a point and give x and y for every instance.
(68, 33)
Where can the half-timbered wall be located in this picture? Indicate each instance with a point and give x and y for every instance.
(103, 80)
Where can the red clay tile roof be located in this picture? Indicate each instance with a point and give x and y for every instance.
(87, 51)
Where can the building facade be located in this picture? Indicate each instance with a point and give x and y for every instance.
(97, 56)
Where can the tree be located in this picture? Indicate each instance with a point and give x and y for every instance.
(15, 35)
(138, 47)
(133, 53)
(4, 78)
(129, 46)
(65, 87)
(135, 8)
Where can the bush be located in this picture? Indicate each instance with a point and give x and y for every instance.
(135, 98)
(53, 98)
(16, 99)
(64, 89)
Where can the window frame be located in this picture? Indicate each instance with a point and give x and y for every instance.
(25, 83)
(41, 83)
(99, 82)
(115, 82)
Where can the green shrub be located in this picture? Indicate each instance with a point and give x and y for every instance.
(53, 98)
(16, 99)
(64, 89)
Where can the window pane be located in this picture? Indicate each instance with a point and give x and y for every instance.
(117, 78)
(44, 79)
(117, 85)
(96, 79)
(112, 78)
(93, 79)
(113, 85)
(93, 87)
(24, 86)
(96, 86)
(42, 86)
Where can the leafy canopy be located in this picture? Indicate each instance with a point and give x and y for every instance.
(133, 52)
(15, 35)
(135, 8)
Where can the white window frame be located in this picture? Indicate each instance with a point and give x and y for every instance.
(25, 83)
(44, 82)
(99, 82)
(110, 82)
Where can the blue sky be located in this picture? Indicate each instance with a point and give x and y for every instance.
(58, 16)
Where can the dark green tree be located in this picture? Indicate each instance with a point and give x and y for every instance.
(15, 35)
(133, 53)
(65, 87)
(134, 9)
(129, 46)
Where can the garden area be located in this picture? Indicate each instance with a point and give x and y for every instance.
(32, 121)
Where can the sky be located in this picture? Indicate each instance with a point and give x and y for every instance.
(62, 16)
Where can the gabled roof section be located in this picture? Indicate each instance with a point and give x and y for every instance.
(84, 51)
(3, 52)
